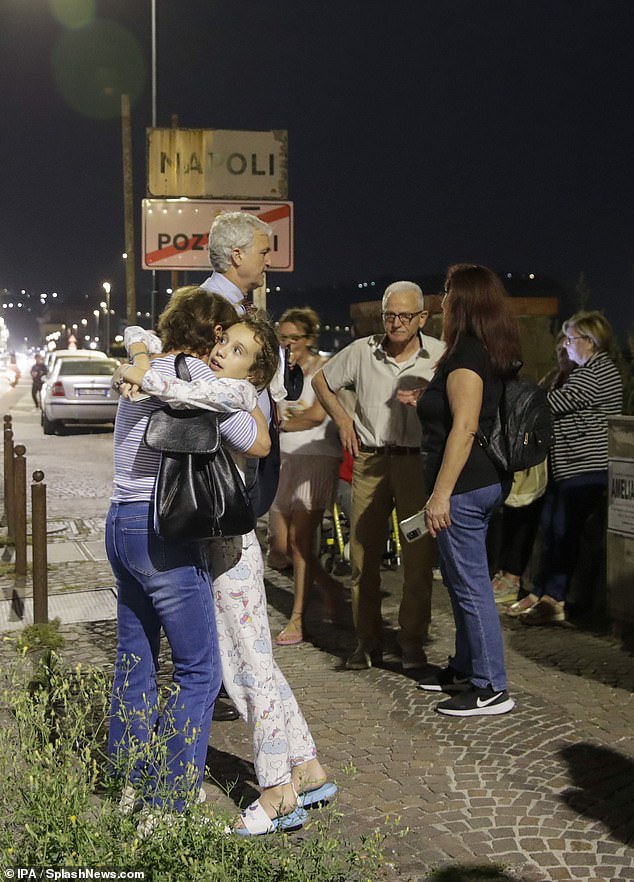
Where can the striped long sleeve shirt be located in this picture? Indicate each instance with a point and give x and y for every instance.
(136, 465)
(580, 409)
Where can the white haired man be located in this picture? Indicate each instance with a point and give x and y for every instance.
(240, 254)
(383, 435)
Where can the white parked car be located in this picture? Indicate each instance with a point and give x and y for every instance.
(55, 355)
(79, 390)
(51, 357)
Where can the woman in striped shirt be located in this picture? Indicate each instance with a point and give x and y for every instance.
(578, 460)
(163, 584)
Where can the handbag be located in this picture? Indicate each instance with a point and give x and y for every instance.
(528, 485)
(198, 493)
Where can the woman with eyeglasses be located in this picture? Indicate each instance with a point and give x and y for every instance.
(578, 461)
(309, 473)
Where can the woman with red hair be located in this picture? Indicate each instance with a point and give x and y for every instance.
(483, 348)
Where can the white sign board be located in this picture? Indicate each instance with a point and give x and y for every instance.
(621, 496)
(175, 231)
(217, 163)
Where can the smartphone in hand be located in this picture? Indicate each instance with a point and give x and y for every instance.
(414, 528)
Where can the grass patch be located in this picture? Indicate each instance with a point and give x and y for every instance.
(43, 635)
(59, 804)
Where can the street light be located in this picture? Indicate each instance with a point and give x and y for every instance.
(106, 287)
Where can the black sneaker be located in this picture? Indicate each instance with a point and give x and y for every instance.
(446, 680)
(477, 702)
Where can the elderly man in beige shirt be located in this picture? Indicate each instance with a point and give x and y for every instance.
(383, 435)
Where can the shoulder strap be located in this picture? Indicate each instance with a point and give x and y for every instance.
(180, 367)
(275, 417)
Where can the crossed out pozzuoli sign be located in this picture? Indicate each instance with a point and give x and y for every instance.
(217, 164)
(176, 231)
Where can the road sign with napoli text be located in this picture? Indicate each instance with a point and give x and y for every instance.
(175, 231)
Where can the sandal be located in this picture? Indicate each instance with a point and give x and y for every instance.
(521, 607)
(504, 589)
(257, 822)
(318, 796)
(290, 635)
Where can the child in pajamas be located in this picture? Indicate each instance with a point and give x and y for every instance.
(285, 756)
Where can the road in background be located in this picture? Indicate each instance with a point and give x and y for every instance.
(77, 464)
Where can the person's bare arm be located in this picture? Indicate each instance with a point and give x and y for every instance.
(262, 445)
(464, 392)
(304, 419)
(337, 412)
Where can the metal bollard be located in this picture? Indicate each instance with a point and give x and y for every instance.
(8, 476)
(40, 558)
(19, 513)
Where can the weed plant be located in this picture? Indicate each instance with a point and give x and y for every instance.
(60, 808)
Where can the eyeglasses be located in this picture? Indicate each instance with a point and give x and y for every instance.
(403, 317)
(292, 338)
(570, 339)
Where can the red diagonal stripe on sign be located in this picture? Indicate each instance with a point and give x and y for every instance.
(170, 250)
(273, 214)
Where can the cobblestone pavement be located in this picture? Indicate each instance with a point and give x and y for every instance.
(546, 791)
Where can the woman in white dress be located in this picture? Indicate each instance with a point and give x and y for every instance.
(309, 474)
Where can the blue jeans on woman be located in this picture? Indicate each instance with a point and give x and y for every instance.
(465, 570)
(160, 585)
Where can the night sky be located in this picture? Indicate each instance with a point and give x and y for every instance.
(420, 133)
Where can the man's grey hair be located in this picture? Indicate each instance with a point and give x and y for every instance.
(233, 229)
(398, 288)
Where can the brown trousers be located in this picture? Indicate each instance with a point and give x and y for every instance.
(381, 482)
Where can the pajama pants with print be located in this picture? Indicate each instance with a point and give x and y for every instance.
(259, 690)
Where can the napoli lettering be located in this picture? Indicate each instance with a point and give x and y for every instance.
(622, 488)
(235, 163)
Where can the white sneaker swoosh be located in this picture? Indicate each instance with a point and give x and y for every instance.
(482, 702)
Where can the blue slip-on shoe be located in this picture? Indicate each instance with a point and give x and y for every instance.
(317, 797)
(257, 822)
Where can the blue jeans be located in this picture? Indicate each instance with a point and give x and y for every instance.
(567, 506)
(160, 585)
(465, 570)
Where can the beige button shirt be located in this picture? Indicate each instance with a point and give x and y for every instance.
(379, 418)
